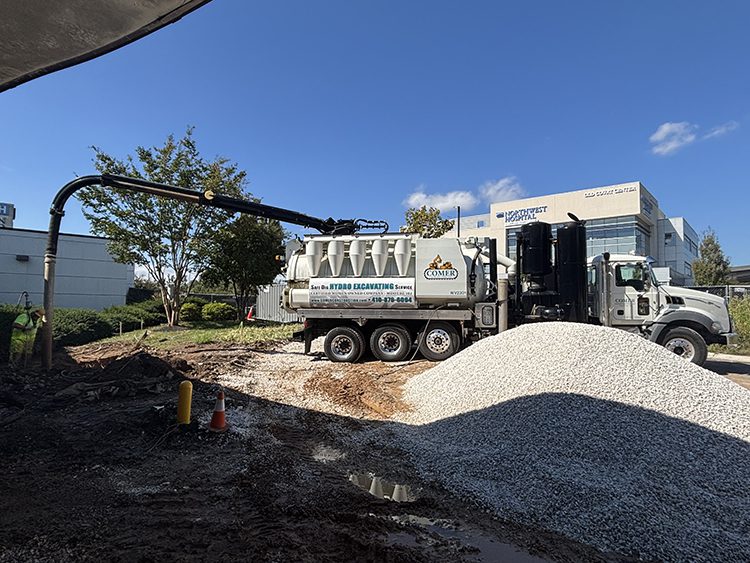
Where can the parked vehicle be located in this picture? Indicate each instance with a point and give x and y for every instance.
(390, 293)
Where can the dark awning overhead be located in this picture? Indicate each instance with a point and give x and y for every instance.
(41, 36)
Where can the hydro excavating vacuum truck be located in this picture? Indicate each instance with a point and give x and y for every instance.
(396, 293)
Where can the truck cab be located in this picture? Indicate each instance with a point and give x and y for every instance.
(623, 292)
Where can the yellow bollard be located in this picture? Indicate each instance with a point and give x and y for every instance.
(183, 402)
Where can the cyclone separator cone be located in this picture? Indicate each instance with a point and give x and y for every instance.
(400, 494)
(376, 488)
(219, 420)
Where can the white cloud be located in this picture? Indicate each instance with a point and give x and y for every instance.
(669, 137)
(504, 189)
(444, 202)
(722, 129)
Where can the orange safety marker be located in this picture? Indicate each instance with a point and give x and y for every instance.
(218, 420)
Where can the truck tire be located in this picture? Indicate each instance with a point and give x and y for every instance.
(439, 341)
(390, 343)
(687, 343)
(344, 344)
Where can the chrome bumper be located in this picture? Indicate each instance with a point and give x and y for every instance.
(731, 338)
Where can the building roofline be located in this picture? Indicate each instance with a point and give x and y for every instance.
(61, 234)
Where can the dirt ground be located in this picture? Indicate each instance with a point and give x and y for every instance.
(94, 467)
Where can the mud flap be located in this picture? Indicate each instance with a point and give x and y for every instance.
(308, 333)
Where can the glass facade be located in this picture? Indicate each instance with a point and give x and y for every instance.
(617, 235)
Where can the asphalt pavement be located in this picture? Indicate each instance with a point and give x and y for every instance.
(736, 368)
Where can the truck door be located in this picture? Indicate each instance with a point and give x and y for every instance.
(632, 301)
(592, 292)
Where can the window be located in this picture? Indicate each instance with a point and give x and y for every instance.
(480, 224)
(630, 275)
(668, 238)
(690, 246)
(688, 270)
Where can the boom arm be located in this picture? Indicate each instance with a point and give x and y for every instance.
(326, 226)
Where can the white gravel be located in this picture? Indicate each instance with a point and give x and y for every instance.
(592, 432)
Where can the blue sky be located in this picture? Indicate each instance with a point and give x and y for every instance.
(347, 109)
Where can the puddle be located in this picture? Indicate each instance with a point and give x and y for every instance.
(326, 454)
(483, 547)
(380, 488)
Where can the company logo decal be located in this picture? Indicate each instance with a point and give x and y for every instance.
(439, 270)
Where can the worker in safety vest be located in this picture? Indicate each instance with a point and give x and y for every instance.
(23, 336)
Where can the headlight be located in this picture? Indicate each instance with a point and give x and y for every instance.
(716, 327)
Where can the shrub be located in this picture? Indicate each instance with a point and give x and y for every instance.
(150, 312)
(8, 314)
(739, 308)
(190, 312)
(72, 327)
(219, 312)
(197, 300)
(155, 308)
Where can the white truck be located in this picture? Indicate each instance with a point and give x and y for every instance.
(396, 293)
(624, 292)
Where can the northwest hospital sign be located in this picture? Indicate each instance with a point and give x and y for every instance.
(524, 215)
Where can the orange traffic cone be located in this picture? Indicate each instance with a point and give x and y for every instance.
(218, 420)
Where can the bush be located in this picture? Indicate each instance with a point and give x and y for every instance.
(739, 308)
(191, 312)
(155, 310)
(130, 316)
(197, 301)
(219, 312)
(72, 327)
(8, 314)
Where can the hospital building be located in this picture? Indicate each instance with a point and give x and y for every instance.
(623, 218)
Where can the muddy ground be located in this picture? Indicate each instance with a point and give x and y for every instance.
(94, 468)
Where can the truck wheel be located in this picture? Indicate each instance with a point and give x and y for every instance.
(687, 343)
(439, 341)
(344, 344)
(390, 343)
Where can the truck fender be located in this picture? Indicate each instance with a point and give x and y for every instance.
(676, 317)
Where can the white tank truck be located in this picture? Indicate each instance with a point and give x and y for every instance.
(392, 292)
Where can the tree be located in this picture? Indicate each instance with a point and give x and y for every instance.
(712, 268)
(168, 237)
(427, 222)
(243, 256)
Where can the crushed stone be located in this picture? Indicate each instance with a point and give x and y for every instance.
(592, 432)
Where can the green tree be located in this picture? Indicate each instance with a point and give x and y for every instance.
(712, 267)
(243, 257)
(427, 222)
(170, 238)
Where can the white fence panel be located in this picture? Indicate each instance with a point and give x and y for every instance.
(268, 305)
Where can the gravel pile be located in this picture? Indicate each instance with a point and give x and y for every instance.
(592, 432)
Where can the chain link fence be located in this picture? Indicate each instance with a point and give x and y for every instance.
(726, 291)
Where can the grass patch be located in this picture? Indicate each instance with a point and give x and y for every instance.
(211, 332)
(742, 350)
